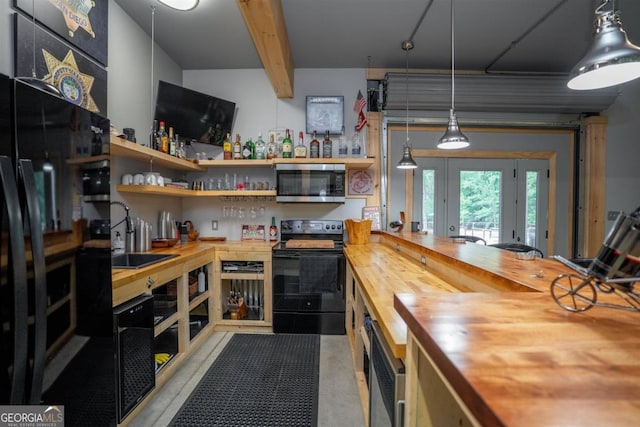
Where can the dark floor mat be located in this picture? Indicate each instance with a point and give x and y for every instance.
(258, 380)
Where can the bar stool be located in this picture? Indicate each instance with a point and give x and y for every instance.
(473, 239)
(518, 247)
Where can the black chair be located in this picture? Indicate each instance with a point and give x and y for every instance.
(518, 247)
(473, 239)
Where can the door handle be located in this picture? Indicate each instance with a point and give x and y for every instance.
(452, 228)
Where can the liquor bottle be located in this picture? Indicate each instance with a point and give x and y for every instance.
(272, 148)
(300, 150)
(252, 147)
(327, 146)
(153, 138)
(164, 139)
(343, 149)
(273, 230)
(287, 146)
(314, 146)
(180, 153)
(172, 142)
(356, 147)
(237, 148)
(246, 150)
(261, 148)
(226, 148)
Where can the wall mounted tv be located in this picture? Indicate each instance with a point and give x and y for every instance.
(194, 115)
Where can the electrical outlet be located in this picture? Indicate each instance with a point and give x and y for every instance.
(214, 225)
(397, 246)
(423, 259)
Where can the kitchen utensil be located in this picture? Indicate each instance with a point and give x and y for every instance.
(127, 179)
(193, 234)
(138, 179)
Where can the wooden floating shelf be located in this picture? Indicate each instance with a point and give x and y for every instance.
(180, 192)
(355, 163)
(124, 148)
(90, 159)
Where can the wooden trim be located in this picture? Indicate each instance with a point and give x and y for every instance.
(484, 154)
(265, 22)
(595, 155)
(374, 153)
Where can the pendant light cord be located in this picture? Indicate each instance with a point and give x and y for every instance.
(407, 94)
(33, 21)
(153, 34)
(453, 60)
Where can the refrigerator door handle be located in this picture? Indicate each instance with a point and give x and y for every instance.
(32, 216)
(16, 260)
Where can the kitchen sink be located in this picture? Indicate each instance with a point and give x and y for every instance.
(136, 260)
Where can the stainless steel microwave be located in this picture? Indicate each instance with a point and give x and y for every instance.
(314, 183)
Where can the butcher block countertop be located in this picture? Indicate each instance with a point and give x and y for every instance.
(521, 360)
(191, 256)
(383, 269)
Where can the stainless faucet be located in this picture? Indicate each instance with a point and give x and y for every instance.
(129, 230)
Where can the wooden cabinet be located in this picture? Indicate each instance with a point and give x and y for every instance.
(249, 274)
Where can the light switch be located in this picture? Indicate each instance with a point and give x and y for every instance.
(612, 215)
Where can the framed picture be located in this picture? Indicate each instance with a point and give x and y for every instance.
(361, 182)
(325, 113)
(80, 80)
(83, 24)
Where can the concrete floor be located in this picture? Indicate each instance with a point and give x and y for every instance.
(338, 404)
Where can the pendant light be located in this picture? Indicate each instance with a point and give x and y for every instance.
(180, 4)
(612, 59)
(407, 161)
(453, 138)
(34, 80)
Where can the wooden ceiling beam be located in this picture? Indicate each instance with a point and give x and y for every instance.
(265, 21)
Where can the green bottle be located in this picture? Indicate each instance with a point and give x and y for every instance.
(287, 146)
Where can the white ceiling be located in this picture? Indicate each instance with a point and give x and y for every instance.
(369, 33)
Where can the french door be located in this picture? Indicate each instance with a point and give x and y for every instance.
(499, 200)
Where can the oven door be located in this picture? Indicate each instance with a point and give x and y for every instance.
(310, 183)
(308, 292)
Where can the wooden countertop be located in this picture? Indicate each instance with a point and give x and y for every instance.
(186, 251)
(383, 272)
(518, 359)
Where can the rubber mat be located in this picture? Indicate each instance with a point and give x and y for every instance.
(258, 380)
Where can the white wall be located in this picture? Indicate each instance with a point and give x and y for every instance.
(258, 110)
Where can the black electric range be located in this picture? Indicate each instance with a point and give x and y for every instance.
(309, 282)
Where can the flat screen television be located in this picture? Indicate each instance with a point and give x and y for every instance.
(194, 115)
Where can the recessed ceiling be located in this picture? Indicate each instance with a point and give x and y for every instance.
(369, 33)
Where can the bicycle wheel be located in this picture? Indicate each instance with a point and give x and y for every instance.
(573, 292)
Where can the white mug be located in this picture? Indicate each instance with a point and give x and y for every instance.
(138, 179)
(151, 178)
(160, 180)
(127, 179)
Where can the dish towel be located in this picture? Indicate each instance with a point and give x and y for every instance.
(318, 274)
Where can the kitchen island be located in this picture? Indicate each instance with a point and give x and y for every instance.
(470, 279)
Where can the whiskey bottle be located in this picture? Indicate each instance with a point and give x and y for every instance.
(300, 150)
(237, 148)
(260, 148)
(164, 139)
(343, 148)
(226, 148)
(287, 146)
(327, 146)
(272, 148)
(172, 142)
(314, 146)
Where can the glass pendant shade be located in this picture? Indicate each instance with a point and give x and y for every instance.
(611, 60)
(453, 138)
(407, 161)
(180, 4)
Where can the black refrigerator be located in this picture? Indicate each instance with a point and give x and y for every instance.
(45, 361)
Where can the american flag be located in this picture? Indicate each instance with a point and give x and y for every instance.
(360, 103)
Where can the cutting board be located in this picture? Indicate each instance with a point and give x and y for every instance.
(309, 244)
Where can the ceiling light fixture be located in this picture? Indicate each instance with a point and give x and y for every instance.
(407, 161)
(612, 58)
(453, 138)
(180, 4)
(34, 80)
